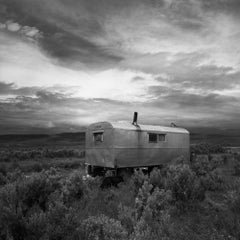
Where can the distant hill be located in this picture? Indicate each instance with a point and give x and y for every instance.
(42, 140)
(199, 135)
(227, 139)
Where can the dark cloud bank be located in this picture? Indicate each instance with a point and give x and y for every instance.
(54, 111)
(75, 32)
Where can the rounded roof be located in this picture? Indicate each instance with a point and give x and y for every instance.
(152, 128)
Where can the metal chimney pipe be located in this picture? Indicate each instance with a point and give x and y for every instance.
(135, 118)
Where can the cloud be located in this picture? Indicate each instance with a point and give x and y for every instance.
(11, 89)
(13, 27)
(26, 66)
(49, 97)
(30, 32)
(64, 38)
(188, 109)
(77, 52)
(98, 35)
(168, 106)
(5, 87)
(188, 71)
(51, 109)
(80, 61)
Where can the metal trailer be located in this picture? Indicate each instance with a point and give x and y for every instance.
(129, 145)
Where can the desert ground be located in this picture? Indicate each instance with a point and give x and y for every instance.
(45, 194)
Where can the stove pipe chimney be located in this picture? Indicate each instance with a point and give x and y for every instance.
(135, 118)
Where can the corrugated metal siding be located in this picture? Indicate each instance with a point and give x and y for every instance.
(129, 146)
(100, 154)
(100, 157)
(127, 157)
(132, 148)
(128, 139)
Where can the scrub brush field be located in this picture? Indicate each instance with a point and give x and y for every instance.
(199, 200)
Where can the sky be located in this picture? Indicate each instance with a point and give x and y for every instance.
(67, 63)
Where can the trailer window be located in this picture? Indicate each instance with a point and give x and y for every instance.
(161, 137)
(98, 137)
(152, 137)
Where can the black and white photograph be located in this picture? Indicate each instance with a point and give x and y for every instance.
(119, 119)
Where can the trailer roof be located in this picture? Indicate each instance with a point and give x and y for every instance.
(152, 128)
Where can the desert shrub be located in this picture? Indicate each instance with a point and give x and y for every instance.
(62, 221)
(227, 222)
(157, 202)
(233, 196)
(36, 167)
(113, 197)
(60, 153)
(36, 226)
(204, 164)
(54, 205)
(207, 170)
(3, 179)
(24, 192)
(23, 203)
(12, 223)
(152, 220)
(142, 197)
(3, 174)
(184, 184)
(226, 217)
(4, 156)
(126, 199)
(205, 148)
(213, 181)
(160, 229)
(150, 202)
(137, 180)
(74, 187)
(3, 169)
(68, 164)
(101, 227)
(45, 165)
(199, 228)
(178, 160)
(15, 176)
(36, 190)
(8, 155)
(14, 166)
(236, 165)
(99, 202)
(126, 215)
(216, 160)
(59, 222)
(237, 168)
(201, 165)
(157, 178)
(107, 201)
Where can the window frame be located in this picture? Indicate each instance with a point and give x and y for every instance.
(157, 137)
(152, 134)
(162, 134)
(95, 133)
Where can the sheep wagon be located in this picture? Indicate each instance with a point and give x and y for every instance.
(125, 146)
